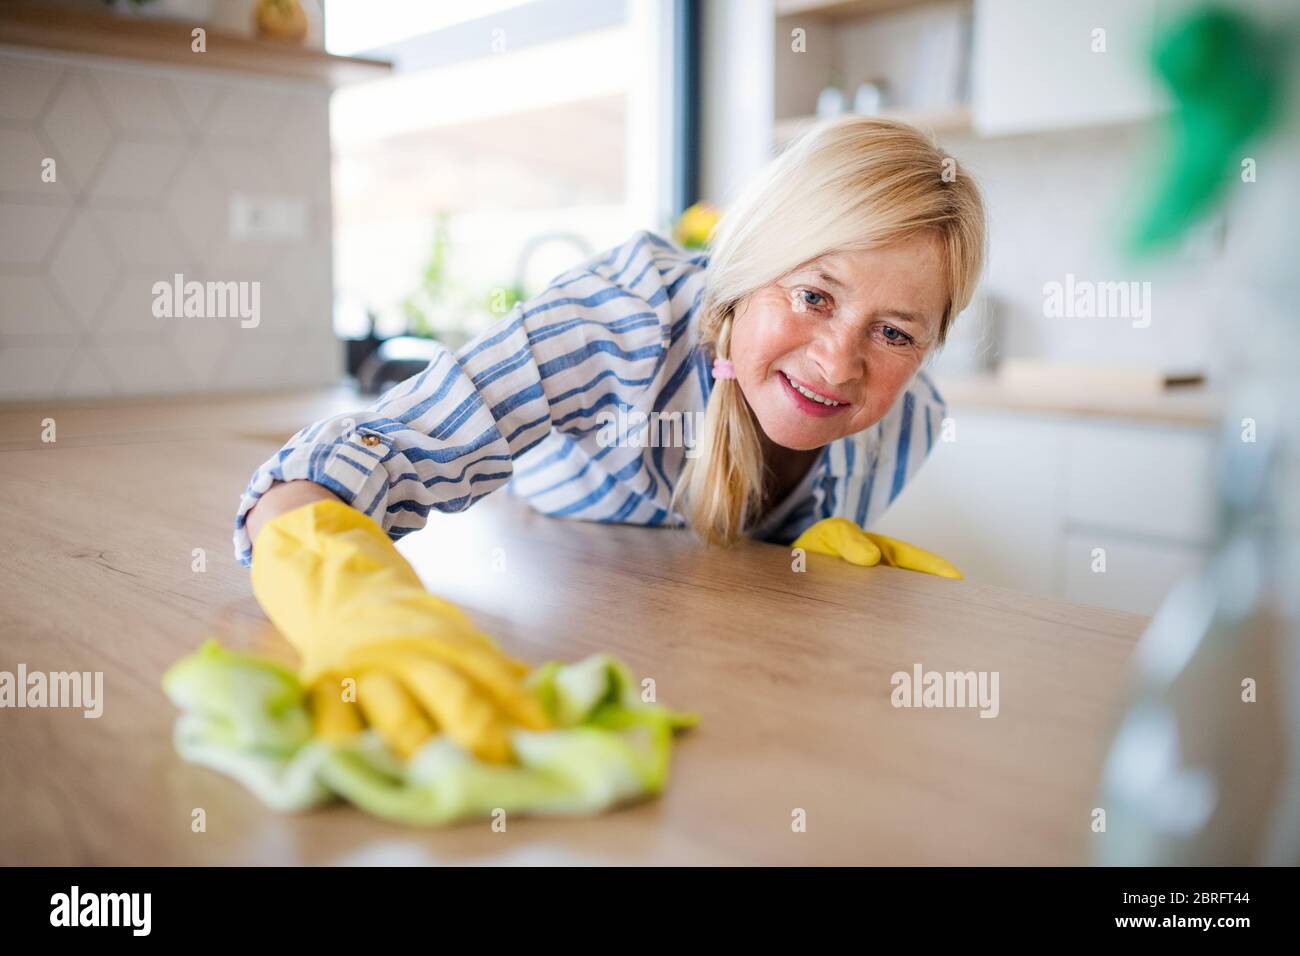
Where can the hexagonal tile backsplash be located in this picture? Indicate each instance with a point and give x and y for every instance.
(147, 162)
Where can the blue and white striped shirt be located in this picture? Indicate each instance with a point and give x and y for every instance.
(534, 401)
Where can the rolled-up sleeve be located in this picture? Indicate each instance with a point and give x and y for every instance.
(448, 436)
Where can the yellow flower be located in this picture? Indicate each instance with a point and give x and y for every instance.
(695, 226)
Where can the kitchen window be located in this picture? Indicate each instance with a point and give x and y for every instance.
(513, 140)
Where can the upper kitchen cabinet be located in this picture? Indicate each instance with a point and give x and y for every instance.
(1045, 64)
(903, 59)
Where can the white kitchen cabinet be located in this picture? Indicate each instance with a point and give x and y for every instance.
(1107, 569)
(1034, 66)
(1021, 500)
(1145, 479)
(990, 501)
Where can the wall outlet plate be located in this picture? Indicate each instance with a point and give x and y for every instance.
(267, 218)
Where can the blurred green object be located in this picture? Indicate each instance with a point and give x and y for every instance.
(248, 718)
(1204, 768)
(501, 299)
(420, 306)
(438, 307)
(1226, 76)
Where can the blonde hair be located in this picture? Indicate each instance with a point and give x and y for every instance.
(851, 183)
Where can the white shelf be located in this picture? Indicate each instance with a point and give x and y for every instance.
(76, 29)
(843, 8)
(955, 119)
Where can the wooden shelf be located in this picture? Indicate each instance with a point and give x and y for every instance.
(833, 9)
(69, 29)
(1197, 405)
(956, 119)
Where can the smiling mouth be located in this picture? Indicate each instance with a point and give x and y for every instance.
(812, 402)
(811, 395)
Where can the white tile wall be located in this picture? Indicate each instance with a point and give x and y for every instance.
(148, 160)
(1061, 203)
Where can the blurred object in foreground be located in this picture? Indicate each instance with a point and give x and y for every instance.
(1205, 768)
(1224, 72)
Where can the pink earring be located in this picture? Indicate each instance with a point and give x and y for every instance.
(722, 368)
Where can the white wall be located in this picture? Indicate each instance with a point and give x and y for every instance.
(736, 81)
(1059, 203)
(147, 161)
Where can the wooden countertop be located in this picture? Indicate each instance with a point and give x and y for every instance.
(789, 672)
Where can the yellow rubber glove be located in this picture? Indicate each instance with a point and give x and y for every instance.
(840, 537)
(333, 583)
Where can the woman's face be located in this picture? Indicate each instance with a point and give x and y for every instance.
(852, 327)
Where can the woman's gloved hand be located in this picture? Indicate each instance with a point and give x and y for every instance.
(840, 537)
(333, 583)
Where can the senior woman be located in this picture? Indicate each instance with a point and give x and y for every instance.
(799, 339)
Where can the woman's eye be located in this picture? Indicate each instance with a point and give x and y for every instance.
(895, 336)
(805, 300)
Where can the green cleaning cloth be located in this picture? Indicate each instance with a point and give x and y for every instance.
(248, 718)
